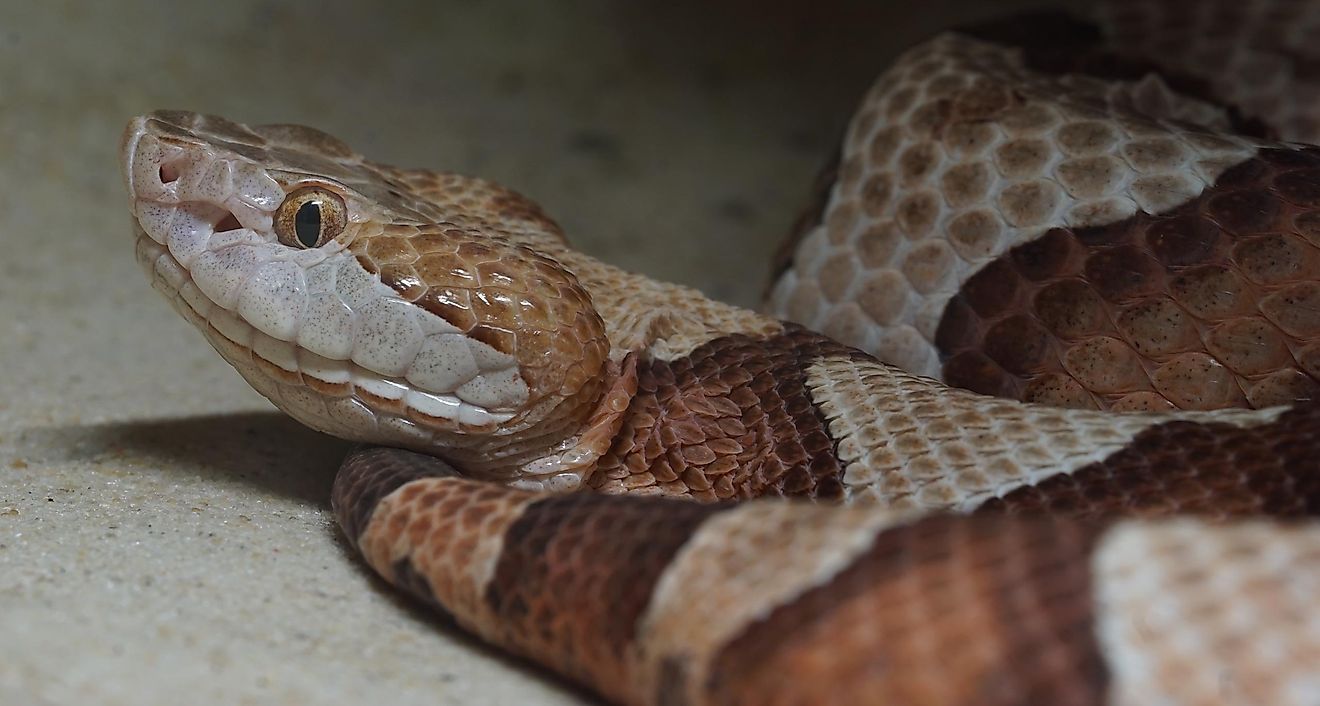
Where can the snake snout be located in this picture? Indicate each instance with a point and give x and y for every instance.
(406, 332)
(185, 190)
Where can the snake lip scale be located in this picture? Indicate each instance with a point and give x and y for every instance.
(553, 450)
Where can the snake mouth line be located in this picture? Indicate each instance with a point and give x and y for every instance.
(289, 364)
(204, 220)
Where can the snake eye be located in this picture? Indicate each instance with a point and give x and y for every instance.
(310, 217)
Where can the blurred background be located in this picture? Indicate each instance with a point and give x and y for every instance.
(668, 137)
(164, 535)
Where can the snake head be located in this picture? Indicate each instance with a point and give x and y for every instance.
(377, 304)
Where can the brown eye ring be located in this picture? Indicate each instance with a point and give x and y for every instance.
(310, 217)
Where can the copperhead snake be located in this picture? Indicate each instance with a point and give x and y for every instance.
(1109, 249)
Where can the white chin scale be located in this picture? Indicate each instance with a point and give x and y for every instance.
(311, 329)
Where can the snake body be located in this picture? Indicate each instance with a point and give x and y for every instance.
(987, 550)
(1013, 219)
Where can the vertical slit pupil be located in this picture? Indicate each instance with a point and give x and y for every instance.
(307, 224)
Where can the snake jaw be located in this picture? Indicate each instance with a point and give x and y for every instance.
(291, 318)
(338, 335)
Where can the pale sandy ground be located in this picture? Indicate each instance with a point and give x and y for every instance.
(164, 534)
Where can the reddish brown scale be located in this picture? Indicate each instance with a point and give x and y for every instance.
(504, 295)
(943, 611)
(1195, 308)
(1214, 470)
(576, 573)
(369, 474)
(732, 419)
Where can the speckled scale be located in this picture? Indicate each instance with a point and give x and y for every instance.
(984, 152)
(1130, 313)
(1032, 140)
(476, 284)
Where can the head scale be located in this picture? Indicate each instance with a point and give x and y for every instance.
(377, 304)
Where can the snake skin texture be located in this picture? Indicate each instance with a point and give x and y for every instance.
(658, 601)
(1051, 221)
(673, 501)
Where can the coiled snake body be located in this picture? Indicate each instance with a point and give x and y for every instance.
(1014, 226)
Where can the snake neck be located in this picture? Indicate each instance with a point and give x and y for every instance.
(562, 452)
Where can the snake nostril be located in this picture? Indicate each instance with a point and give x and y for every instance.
(168, 173)
(229, 222)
